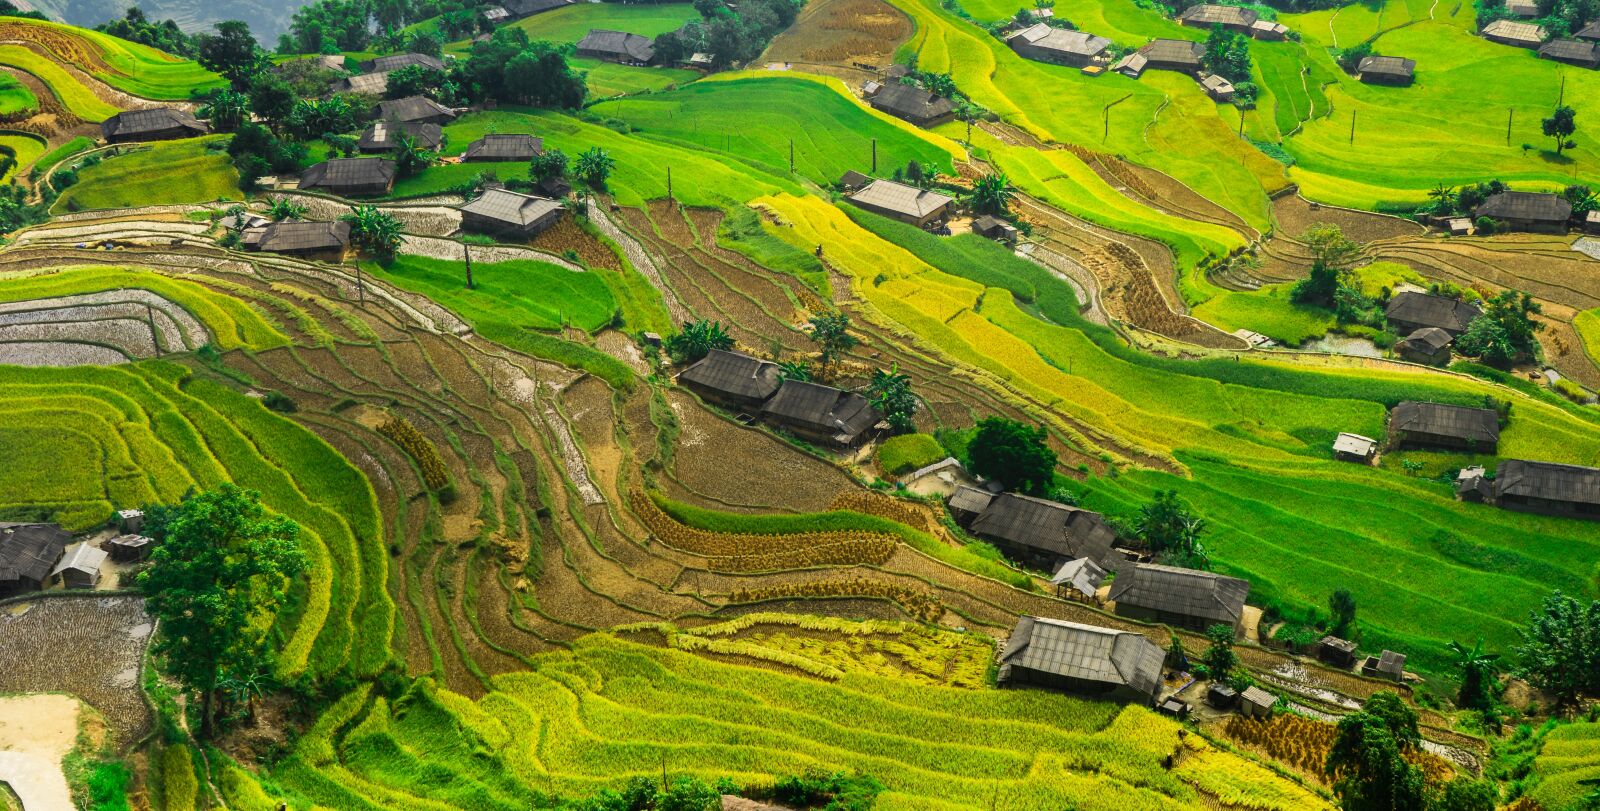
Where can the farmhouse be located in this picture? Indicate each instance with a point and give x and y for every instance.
(1393, 70)
(1388, 665)
(1180, 55)
(1506, 32)
(853, 181)
(1590, 32)
(1547, 487)
(327, 241)
(1058, 45)
(415, 110)
(393, 62)
(129, 548)
(1269, 30)
(1355, 448)
(503, 147)
(384, 136)
(1527, 211)
(991, 227)
(80, 567)
(130, 520)
(617, 46)
(967, 502)
(1079, 578)
(1255, 702)
(28, 553)
(1526, 9)
(351, 177)
(1218, 88)
(1336, 651)
(1580, 52)
(496, 15)
(1044, 533)
(912, 103)
(528, 8)
(1233, 18)
(1429, 345)
(157, 124)
(1439, 425)
(1410, 311)
(1102, 662)
(367, 84)
(907, 204)
(1188, 598)
(499, 211)
(821, 414)
(732, 379)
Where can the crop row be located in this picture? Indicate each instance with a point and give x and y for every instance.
(920, 603)
(419, 448)
(753, 552)
(1304, 743)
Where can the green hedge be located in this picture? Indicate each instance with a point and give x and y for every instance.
(908, 452)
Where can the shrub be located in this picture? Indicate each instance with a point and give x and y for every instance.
(908, 452)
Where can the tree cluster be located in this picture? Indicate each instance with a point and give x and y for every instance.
(696, 340)
(134, 26)
(332, 26)
(1227, 55)
(509, 68)
(257, 151)
(1331, 283)
(1014, 454)
(1560, 650)
(232, 53)
(730, 36)
(1172, 532)
(1504, 332)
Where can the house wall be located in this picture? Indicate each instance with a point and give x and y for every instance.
(1414, 439)
(1536, 226)
(923, 222)
(1545, 506)
(748, 404)
(1055, 681)
(812, 435)
(168, 134)
(1385, 78)
(74, 579)
(1028, 50)
(1025, 555)
(1439, 358)
(1144, 614)
(12, 588)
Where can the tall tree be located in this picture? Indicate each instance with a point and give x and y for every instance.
(282, 208)
(1342, 606)
(1014, 454)
(1220, 658)
(1560, 650)
(1171, 531)
(409, 157)
(1368, 770)
(890, 393)
(1560, 126)
(232, 52)
(550, 163)
(832, 335)
(374, 231)
(1478, 669)
(594, 167)
(992, 194)
(1227, 54)
(226, 110)
(220, 565)
(1463, 793)
(1505, 331)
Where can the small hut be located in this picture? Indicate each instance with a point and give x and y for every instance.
(1387, 665)
(80, 566)
(129, 548)
(1336, 651)
(1255, 702)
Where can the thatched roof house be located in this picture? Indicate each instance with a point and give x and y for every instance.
(1180, 55)
(415, 110)
(1218, 88)
(1057, 45)
(733, 379)
(1441, 425)
(1388, 665)
(1410, 311)
(1580, 52)
(899, 201)
(507, 212)
(1528, 211)
(1104, 662)
(1207, 15)
(912, 103)
(1188, 598)
(1429, 345)
(1548, 487)
(309, 240)
(1044, 533)
(367, 84)
(1508, 32)
(1355, 448)
(503, 147)
(384, 136)
(1590, 32)
(351, 177)
(617, 46)
(1392, 70)
(155, 124)
(821, 414)
(966, 503)
(528, 8)
(393, 62)
(28, 553)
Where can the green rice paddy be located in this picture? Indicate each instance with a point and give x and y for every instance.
(169, 172)
(572, 23)
(15, 97)
(25, 147)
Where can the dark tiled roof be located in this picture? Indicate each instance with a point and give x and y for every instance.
(372, 84)
(1209, 15)
(384, 64)
(1397, 66)
(618, 44)
(1443, 312)
(343, 173)
(30, 551)
(1525, 205)
(1392, 663)
(853, 180)
(901, 198)
(523, 8)
(1441, 419)
(413, 108)
(820, 408)
(386, 135)
(1570, 50)
(1184, 592)
(1174, 51)
(1047, 525)
(970, 499)
(134, 123)
(504, 147)
(292, 236)
(1547, 480)
(510, 207)
(911, 102)
(1427, 339)
(734, 375)
(1076, 43)
(1529, 33)
(1085, 652)
(1590, 31)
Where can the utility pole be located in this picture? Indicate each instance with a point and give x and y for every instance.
(155, 335)
(874, 156)
(1510, 111)
(466, 253)
(1241, 124)
(669, 182)
(791, 156)
(361, 289)
(1562, 95)
(1352, 126)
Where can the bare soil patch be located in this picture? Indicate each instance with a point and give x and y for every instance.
(842, 31)
(36, 732)
(89, 647)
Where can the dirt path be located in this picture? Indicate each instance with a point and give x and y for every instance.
(36, 732)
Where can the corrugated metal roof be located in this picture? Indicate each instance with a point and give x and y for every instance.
(618, 44)
(1174, 51)
(1519, 32)
(504, 147)
(970, 499)
(523, 8)
(1387, 66)
(1442, 419)
(734, 375)
(393, 62)
(1355, 445)
(1572, 484)
(1040, 524)
(1077, 43)
(900, 198)
(511, 207)
(820, 408)
(1082, 574)
(292, 235)
(1184, 592)
(1210, 14)
(1571, 50)
(911, 103)
(30, 551)
(349, 173)
(133, 123)
(1427, 339)
(1428, 310)
(386, 135)
(1085, 652)
(1525, 205)
(372, 84)
(413, 108)
(83, 558)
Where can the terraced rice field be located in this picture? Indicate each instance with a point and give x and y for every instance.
(572, 23)
(196, 170)
(127, 66)
(88, 646)
(1567, 765)
(15, 97)
(23, 147)
(72, 93)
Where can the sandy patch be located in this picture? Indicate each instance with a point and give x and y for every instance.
(36, 731)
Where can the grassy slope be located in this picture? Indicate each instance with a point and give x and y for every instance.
(170, 172)
(15, 97)
(606, 79)
(79, 100)
(1571, 754)
(528, 294)
(570, 24)
(128, 66)
(26, 147)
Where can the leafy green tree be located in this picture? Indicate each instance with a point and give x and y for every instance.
(1342, 606)
(939, 84)
(1560, 650)
(426, 43)
(1443, 199)
(232, 52)
(226, 110)
(1227, 54)
(696, 340)
(1171, 531)
(273, 100)
(220, 565)
(992, 194)
(797, 370)
(550, 163)
(1332, 256)
(1505, 331)
(410, 158)
(1463, 793)
(1350, 58)
(315, 118)
(1478, 669)
(1368, 770)
(1220, 659)
(890, 393)
(689, 794)
(285, 208)
(831, 332)
(413, 80)
(1396, 715)
(594, 167)
(1560, 126)
(374, 231)
(1014, 454)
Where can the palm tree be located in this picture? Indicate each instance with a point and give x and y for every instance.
(992, 194)
(376, 232)
(226, 110)
(890, 393)
(410, 158)
(1477, 668)
(594, 167)
(1443, 197)
(285, 208)
(245, 688)
(797, 370)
